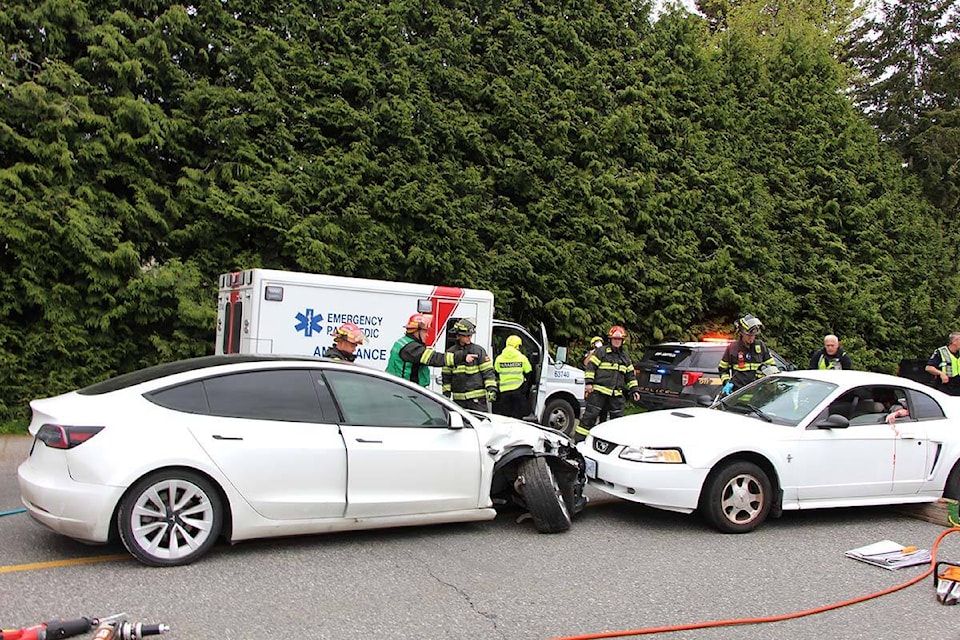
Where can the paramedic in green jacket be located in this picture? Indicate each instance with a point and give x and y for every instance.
(514, 372)
(411, 358)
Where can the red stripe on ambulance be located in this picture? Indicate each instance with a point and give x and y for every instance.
(445, 301)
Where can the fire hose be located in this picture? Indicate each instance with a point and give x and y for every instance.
(946, 582)
(115, 627)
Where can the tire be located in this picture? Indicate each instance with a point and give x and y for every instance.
(546, 500)
(161, 535)
(736, 498)
(952, 489)
(560, 415)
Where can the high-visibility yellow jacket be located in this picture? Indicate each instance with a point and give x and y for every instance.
(512, 368)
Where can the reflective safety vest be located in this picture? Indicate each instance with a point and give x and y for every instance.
(410, 359)
(832, 363)
(949, 363)
(511, 366)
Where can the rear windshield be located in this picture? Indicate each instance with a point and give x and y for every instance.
(664, 354)
(706, 357)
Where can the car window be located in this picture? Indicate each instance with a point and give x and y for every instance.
(666, 354)
(708, 357)
(367, 400)
(189, 398)
(923, 406)
(273, 394)
(868, 405)
(779, 400)
(528, 347)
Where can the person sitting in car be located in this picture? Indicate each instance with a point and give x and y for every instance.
(893, 406)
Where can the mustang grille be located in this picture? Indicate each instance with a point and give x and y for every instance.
(603, 446)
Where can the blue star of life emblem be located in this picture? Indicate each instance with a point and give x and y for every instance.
(308, 322)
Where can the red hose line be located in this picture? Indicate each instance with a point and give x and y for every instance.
(787, 616)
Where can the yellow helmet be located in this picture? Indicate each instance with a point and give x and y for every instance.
(514, 341)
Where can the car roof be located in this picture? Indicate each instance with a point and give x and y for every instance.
(852, 377)
(167, 369)
(689, 345)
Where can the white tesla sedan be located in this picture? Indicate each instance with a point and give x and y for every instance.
(172, 457)
(798, 440)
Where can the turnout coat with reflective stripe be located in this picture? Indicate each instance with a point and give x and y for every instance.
(741, 362)
(610, 371)
(468, 381)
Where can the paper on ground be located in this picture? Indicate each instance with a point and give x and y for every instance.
(889, 555)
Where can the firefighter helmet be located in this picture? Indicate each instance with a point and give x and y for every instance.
(465, 327)
(616, 331)
(417, 322)
(595, 339)
(748, 324)
(349, 332)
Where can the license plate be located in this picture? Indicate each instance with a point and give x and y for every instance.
(655, 377)
(591, 468)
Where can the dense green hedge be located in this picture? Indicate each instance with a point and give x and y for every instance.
(587, 164)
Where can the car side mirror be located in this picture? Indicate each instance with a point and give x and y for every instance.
(833, 421)
(561, 358)
(456, 421)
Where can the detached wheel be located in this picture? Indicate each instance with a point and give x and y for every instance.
(736, 498)
(170, 518)
(545, 498)
(560, 415)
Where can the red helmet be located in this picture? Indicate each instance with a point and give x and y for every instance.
(616, 331)
(350, 333)
(417, 322)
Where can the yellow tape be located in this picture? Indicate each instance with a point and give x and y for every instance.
(63, 563)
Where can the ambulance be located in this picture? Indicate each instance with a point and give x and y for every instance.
(291, 313)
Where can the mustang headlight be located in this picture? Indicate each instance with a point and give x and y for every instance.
(668, 455)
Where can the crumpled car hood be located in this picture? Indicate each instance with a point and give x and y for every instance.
(504, 433)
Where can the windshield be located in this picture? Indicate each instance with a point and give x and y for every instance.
(779, 400)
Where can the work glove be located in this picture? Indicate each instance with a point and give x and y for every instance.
(727, 388)
(492, 395)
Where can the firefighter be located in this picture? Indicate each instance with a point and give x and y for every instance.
(411, 358)
(595, 343)
(472, 382)
(745, 359)
(346, 339)
(514, 372)
(609, 377)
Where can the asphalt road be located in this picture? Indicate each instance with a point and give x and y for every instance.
(621, 567)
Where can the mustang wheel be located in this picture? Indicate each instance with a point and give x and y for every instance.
(736, 498)
(952, 488)
(170, 518)
(545, 498)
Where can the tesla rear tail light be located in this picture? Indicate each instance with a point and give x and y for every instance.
(58, 436)
(690, 377)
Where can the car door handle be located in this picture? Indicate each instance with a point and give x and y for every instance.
(219, 437)
(908, 435)
(365, 441)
